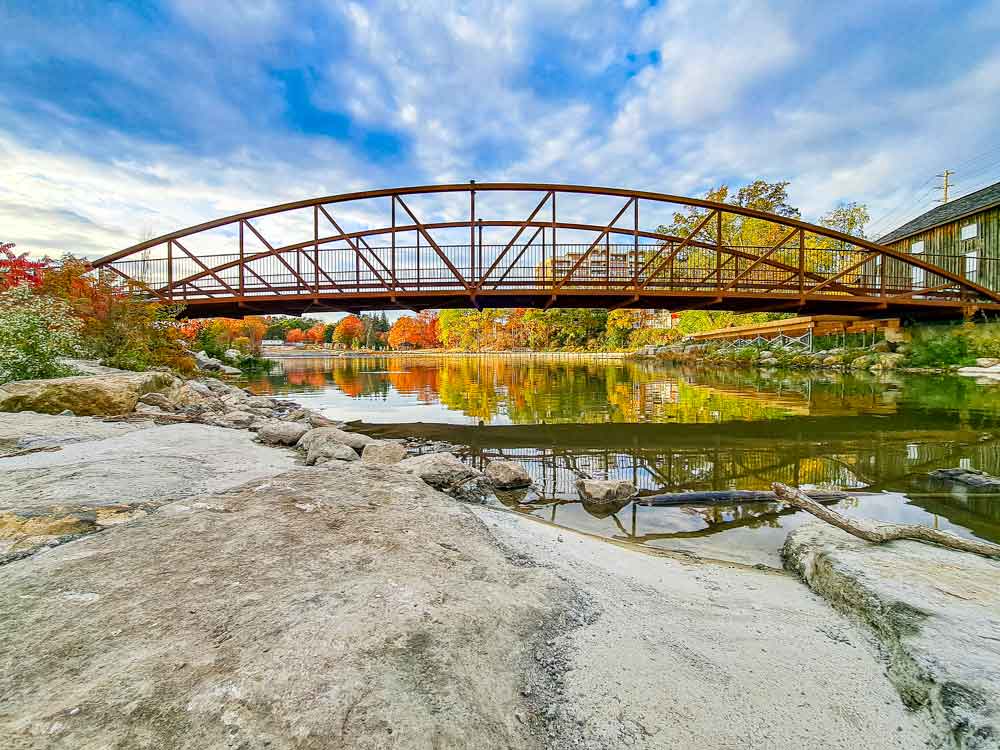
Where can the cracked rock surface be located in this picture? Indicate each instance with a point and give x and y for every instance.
(351, 606)
(935, 610)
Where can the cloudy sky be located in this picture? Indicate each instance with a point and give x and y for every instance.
(120, 121)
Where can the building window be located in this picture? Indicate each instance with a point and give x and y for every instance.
(972, 265)
(969, 231)
(917, 274)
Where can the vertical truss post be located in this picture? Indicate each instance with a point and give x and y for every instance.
(242, 267)
(635, 242)
(545, 271)
(418, 261)
(553, 237)
(472, 229)
(718, 249)
(479, 273)
(883, 274)
(392, 254)
(170, 270)
(802, 262)
(607, 259)
(316, 248)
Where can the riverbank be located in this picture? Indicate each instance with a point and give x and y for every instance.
(970, 350)
(217, 592)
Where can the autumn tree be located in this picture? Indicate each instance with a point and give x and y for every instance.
(430, 334)
(254, 329)
(350, 331)
(295, 336)
(315, 334)
(121, 328)
(405, 331)
(16, 270)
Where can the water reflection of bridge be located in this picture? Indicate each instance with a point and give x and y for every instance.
(852, 452)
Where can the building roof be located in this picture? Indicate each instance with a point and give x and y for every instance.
(946, 213)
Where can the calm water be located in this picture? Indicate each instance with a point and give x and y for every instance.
(669, 429)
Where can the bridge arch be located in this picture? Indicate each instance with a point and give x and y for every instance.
(371, 250)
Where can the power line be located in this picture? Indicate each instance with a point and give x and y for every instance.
(895, 209)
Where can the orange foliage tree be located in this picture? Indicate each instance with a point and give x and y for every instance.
(295, 336)
(255, 329)
(349, 331)
(315, 334)
(405, 331)
(419, 332)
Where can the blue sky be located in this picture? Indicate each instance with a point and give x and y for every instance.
(120, 121)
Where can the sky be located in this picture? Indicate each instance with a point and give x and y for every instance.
(122, 121)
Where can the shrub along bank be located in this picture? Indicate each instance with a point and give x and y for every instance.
(930, 347)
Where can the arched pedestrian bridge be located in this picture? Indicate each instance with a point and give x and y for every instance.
(532, 245)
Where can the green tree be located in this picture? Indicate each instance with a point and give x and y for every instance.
(35, 330)
(849, 218)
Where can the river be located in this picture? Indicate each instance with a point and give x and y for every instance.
(669, 429)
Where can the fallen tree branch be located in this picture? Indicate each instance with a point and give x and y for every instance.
(730, 497)
(883, 532)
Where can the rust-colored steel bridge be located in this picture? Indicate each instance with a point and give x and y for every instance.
(507, 245)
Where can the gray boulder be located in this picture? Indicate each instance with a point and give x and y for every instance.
(322, 452)
(205, 362)
(383, 452)
(237, 420)
(507, 475)
(886, 361)
(234, 354)
(605, 490)
(158, 400)
(335, 435)
(318, 420)
(192, 393)
(277, 432)
(440, 470)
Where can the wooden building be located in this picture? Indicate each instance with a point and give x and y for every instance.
(962, 236)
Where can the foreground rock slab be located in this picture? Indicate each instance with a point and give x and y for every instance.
(155, 463)
(687, 655)
(24, 430)
(937, 611)
(350, 607)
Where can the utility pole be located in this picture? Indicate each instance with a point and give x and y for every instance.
(945, 184)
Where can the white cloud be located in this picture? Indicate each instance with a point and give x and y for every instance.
(711, 54)
(732, 97)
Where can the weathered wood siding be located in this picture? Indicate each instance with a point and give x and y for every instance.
(943, 246)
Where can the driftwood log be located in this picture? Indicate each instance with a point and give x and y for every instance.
(878, 532)
(730, 497)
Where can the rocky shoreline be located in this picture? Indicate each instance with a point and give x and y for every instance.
(210, 568)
